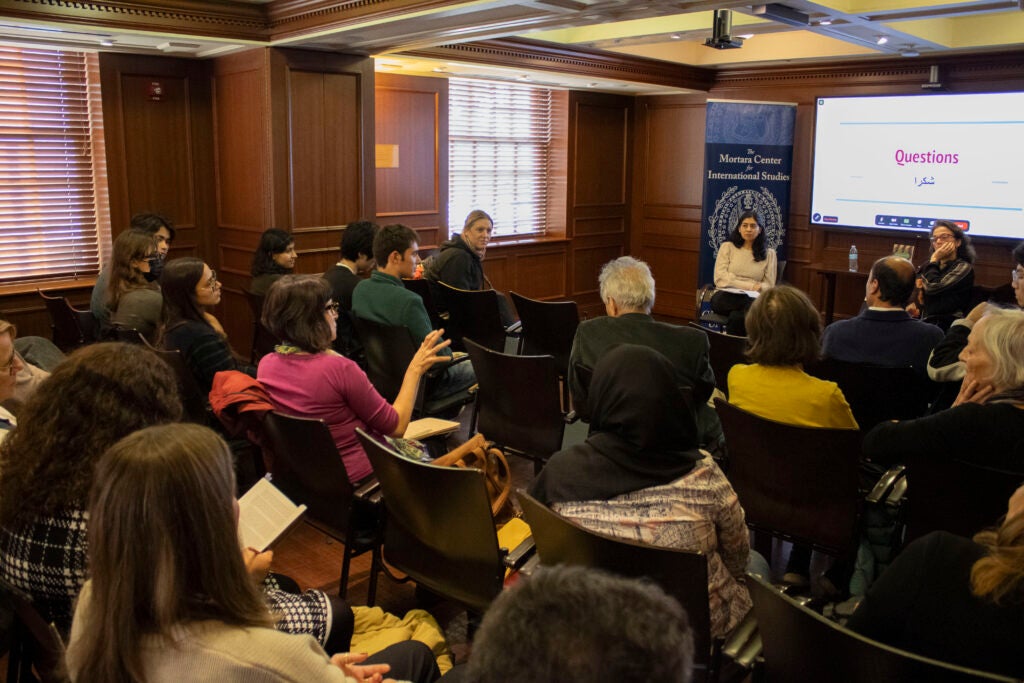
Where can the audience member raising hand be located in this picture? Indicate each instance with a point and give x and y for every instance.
(304, 376)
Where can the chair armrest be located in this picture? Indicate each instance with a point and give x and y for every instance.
(435, 371)
(882, 489)
(369, 491)
(514, 329)
(740, 638)
(570, 417)
(518, 556)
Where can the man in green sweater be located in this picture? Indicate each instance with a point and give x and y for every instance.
(384, 299)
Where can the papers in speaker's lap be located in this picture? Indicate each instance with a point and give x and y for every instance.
(429, 426)
(265, 514)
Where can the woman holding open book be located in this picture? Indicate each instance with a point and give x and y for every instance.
(305, 377)
(170, 597)
(98, 395)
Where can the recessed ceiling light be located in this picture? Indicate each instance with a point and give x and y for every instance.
(676, 36)
(882, 40)
(440, 69)
(107, 43)
(825, 22)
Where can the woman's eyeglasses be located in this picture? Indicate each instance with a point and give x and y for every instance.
(213, 281)
(332, 308)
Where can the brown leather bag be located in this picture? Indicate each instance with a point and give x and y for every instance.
(478, 453)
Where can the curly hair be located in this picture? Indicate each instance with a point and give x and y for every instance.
(272, 241)
(96, 396)
(966, 250)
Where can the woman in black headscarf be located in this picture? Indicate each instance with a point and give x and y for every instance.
(639, 475)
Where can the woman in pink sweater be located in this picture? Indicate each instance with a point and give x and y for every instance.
(305, 377)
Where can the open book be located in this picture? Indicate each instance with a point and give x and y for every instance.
(265, 514)
(427, 427)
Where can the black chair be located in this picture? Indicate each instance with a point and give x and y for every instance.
(876, 393)
(422, 287)
(36, 649)
(263, 340)
(950, 495)
(548, 328)
(518, 405)
(70, 326)
(797, 483)
(726, 351)
(307, 468)
(682, 574)
(475, 315)
(389, 348)
(438, 530)
(801, 645)
(128, 335)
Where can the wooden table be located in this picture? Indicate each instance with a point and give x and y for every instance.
(830, 275)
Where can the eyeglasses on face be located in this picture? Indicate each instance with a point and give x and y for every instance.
(332, 307)
(941, 238)
(212, 282)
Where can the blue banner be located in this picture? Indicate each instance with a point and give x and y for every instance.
(748, 164)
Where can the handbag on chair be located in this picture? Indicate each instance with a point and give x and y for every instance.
(478, 453)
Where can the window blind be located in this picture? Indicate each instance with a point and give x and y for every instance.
(51, 165)
(499, 154)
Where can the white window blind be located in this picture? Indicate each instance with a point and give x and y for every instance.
(499, 154)
(53, 197)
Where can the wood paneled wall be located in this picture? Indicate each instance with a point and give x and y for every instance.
(294, 150)
(669, 158)
(600, 188)
(412, 116)
(588, 217)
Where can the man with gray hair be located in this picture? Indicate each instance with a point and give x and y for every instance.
(627, 290)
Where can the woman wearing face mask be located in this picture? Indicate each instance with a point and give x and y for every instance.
(275, 256)
(133, 297)
(743, 263)
(190, 289)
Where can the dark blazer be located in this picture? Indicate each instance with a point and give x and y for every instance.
(685, 347)
(888, 338)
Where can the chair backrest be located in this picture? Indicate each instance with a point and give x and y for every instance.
(955, 496)
(388, 349)
(800, 483)
(422, 287)
(194, 400)
(549, 327)
(876, 393)
(70, 327)
(682, 574)
(34, 644)
(726, 351)
(801, 645)
(518, 403)
(263, 340)
(308, 469)
(475, 315)
(439, 528)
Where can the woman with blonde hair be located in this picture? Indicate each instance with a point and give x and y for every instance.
(170, 598)
(986, 421)
(133, 297)
(955, 600)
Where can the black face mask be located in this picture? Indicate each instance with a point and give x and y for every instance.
(156, 267)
